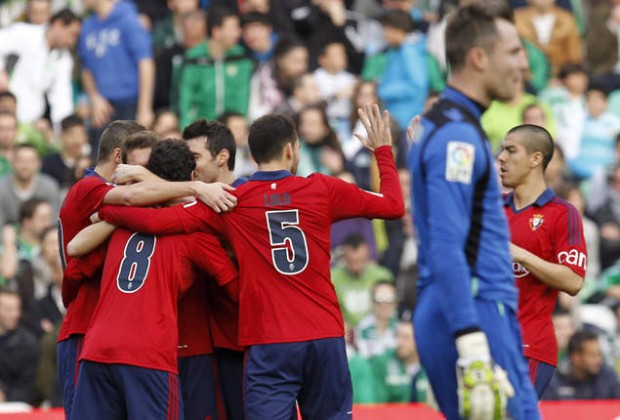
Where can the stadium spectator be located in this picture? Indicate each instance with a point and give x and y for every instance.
(336, 85)
(601, 183)
(238, 125)
(26, 183)
(376, 333)
(305, 92)
(68, 164)
(38, 12)
(118, 72)
(553, 30)
(166, 124)
(18, 352)
(168, 32)
(403, 85)
(598, 136)
(584, 376)
(47, 311)
(398, 373)
(39, 66)
(354, 279)
(258, 36)
(216, 74)
(320, 150)
(8, 133)
(607, 217)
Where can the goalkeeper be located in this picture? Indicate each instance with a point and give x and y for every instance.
(465, 323)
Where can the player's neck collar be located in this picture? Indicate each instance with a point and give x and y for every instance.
(543, 199)
(269, 175)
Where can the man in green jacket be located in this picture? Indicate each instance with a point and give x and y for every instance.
(216, 73)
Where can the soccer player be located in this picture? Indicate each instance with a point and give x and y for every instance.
(289, 315)
(466, 312)
(548, 247)
(129, 360)
(83, 200)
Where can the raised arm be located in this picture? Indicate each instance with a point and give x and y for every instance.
(351, 201)
(89, 238)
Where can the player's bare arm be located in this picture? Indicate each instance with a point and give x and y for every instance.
(89, 238)
(557, 276)
(127, 174)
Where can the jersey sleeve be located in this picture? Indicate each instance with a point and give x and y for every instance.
(187, 218)
(569, 245)
(94, 193)
(210, 256)
(450, 185)
(348, 200)
(79, 270)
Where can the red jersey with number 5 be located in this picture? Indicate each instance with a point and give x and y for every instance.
(279, 232)
(135, 321)
(551, 229)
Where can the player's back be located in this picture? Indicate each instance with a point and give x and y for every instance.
(280, 234)
(135, 321)
(81, 202)
(456, 194)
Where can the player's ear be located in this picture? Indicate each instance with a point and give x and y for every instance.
(478, 58)
(222, 157)
(117, 155)
(192, 176)
(536, 159)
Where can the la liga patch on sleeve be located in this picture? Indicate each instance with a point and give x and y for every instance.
(460, 162)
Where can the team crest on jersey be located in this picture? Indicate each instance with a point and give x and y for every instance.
(460, 162)
(536, 221)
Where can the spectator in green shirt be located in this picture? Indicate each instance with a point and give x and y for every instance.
(354, 279)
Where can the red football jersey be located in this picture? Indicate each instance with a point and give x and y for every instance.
(279, 232)
(551, 229)
(223, 319)
(135, 321)
(193, 319)
(81, 202)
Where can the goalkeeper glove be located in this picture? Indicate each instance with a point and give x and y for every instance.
(483, 386)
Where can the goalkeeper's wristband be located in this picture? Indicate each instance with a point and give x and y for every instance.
(473, 345)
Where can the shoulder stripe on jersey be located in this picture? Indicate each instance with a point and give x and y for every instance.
(572, 222)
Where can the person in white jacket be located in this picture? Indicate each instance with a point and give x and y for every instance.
(36, 64)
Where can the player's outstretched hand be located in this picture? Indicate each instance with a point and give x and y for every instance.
(483, 386)
(413, 129)
(216, 195)
(377, 127)
(127, 174)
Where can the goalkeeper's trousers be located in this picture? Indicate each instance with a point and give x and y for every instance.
(438, 353)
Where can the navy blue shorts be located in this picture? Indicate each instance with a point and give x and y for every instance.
(230, 381)
(314, 373)
(115, 391)
(67, 356)
(198, 387)
(540, 375)
(438, 353)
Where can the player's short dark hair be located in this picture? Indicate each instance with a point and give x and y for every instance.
(535, 139)
(218, 137)
(398, 19)
(140, 140)
(269, 135)
(575, 344)
(65, 16)
(354, 240)
(114, 136)
(172, 160)
(71, 121)
(29, 207)
(216, 17)
(255, 17)
(474, 26)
